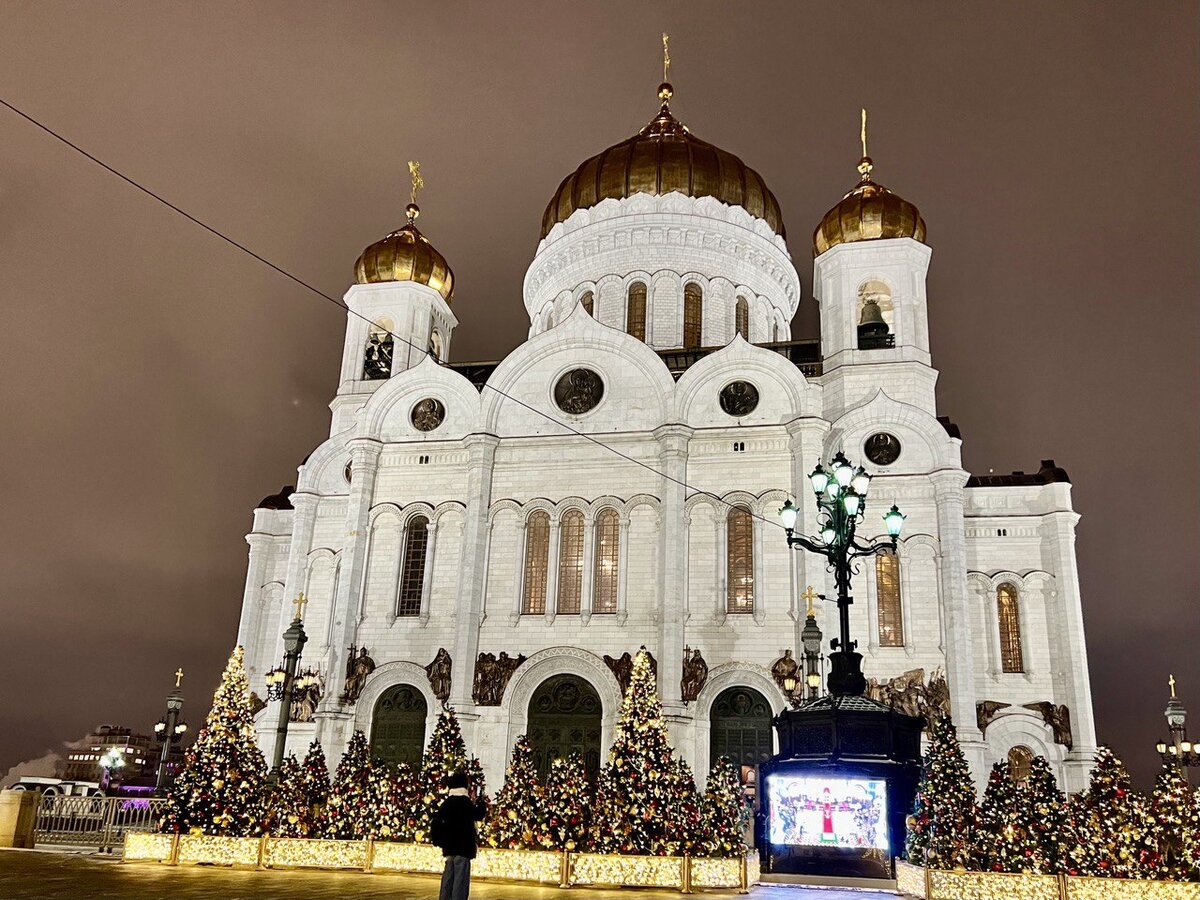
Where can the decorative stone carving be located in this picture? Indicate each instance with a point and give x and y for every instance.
(492, 674)
(695, 674)
(358, 667)
(257, 704)
(1058, 718)
(622, 668)
(738, 398)
(784, 667)
(428, 414)
(912, 695)
(305, 700)
(882, 448)
(985, 712)
(439, 674)
(578, 391)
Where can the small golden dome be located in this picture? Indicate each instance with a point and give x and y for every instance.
(661, 158)
(406, 255)
(869, 212)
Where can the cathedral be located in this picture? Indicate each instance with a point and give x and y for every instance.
(502, 536)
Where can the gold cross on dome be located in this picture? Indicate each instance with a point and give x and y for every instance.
(666, 57)
(178, 676)
(863, 133)
(414, 169)
(1171, 682)
(300, 602)
(809, 596)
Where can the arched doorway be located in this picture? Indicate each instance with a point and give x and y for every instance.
(740, 727)
(398, 725)
(564, 718)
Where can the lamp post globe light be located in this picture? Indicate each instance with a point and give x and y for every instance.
(282, 681)
(168, 731)
(111, 762)
(841, 495)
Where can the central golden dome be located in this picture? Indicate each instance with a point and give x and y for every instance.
(663, 157)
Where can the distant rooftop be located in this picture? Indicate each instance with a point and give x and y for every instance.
(1049, 473)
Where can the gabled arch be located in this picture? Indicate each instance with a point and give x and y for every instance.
(321, 473)
(386, 416)
(934, 448)
(784, 393)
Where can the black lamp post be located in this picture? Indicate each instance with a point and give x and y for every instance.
(1179, 751)
(168, 731)
(841, 492)
(810, 639)
(282, 681)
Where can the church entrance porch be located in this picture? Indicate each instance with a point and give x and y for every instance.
(564, 718)
(398, 725)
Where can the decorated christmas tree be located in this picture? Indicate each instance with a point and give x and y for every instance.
(724, 813)
(1043, 809)
(289, 813)
(446, 753)
(1003, 841)
(1175, 827)
(940, 831)
(517, 819)
(316, 777)
(568, 804)
(358, 794)
(220, 788)
(645, 800)
(403, 803)
(1107, 824)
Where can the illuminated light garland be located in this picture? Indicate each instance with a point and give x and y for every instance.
(753, 869)
(148, 845)
(991, 886)
(1099, 888)
(644, 871)
(219, 850)
(518, 865)
(716, 873)
(910, 879)
(317, 854)
(407, 858)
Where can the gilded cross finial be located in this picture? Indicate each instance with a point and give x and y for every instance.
(863, 133)
(666, 57)
(178, 676)
(864, 165)
(809, 596)
(300, 602)
(1171, 682)
(414, 169)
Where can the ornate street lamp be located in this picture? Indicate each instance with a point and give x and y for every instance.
(281, 681)
(841, 494)
(168, 731)
(111, 762)
(1179, 751)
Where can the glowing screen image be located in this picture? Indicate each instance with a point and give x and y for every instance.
(817, 811)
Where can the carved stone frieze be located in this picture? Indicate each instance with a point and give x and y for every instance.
(911, 694)
(492, 674)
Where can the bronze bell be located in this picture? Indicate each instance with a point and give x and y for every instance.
(871, 322)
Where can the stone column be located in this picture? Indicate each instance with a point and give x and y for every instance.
(250, 623)
(481, 449)
(622, 568)
(672, 462)
(431, 531)
(589, 565)
(552, 553)
(949, 487)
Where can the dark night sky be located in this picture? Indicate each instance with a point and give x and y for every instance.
(157, 383)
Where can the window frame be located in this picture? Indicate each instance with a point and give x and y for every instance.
(569, 586)
(889, 605)
(535, 564)
(693, 316)
(1008, 620)
(633, 327)
(412, 567)
(739, 561)
(604, 583)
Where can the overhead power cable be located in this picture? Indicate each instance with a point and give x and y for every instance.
(342, 305)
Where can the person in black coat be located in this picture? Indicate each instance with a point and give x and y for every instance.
(453, 830)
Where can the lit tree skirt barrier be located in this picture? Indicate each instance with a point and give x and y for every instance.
(542, 866)
(934, 884)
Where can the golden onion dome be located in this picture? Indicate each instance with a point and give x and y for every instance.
(406, 255)
(869, 212)
(661, 158)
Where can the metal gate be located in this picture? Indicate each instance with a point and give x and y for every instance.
(99, 822)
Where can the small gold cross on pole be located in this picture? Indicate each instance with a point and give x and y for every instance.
(178, 676)
(300, 602)
(666, 57)
(809, 596)
(863, 132)
(1171, 682)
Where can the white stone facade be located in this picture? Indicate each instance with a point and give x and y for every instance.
(507, 450)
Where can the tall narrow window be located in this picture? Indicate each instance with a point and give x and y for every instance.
(412, 572)
(635, 311)
(537, 561)
(608, 546)
(887, 597)
(588, 302)
(435, 346)
(693, 314)
(1011, 656)
(377, 359)
(741, 318)
(570, 563)
(739, 542)
(775, 332)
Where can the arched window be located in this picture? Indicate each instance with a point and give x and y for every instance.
(887, 598)
(608, 541)
(570, 563)
(693, 314)
(377, 359)
(741, 318)
(435, 346)
(739, 543)
(1020, 760)
(412, 569)
(775, 332)
(588, 302)
(1011, 657)
(635, 311)
(875, 316)
(537, 561)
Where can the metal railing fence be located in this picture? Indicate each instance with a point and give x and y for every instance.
(99, 822)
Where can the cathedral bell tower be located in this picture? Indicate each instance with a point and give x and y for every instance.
(870, 265)
(399, 311)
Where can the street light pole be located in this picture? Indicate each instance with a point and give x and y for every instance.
(1180, 751)
(841, 493)
(294, 640)
(169, 731)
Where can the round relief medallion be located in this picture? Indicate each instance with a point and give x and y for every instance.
(882, 448)
(739, 398)
(578, 391)
(428, 414)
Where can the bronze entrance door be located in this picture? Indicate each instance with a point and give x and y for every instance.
(564, 718)
(398, 725)
(740, 726)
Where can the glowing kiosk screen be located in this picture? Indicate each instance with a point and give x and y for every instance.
(817, 811)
